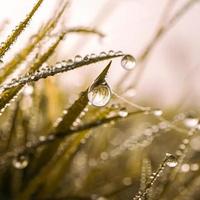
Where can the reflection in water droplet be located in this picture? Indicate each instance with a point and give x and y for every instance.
(111, 53)
(69, 62)
(20, 162)
(128, 62)
(99, 95)
(171, 160)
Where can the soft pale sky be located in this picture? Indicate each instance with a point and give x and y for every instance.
(129, 25)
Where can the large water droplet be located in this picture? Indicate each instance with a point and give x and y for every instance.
(128, 62)
(20, 162)
(171, 160)
(99, 95)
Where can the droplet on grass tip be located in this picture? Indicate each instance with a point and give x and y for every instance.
(99, 94)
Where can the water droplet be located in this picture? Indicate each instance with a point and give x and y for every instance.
(171, 160)
(20, 162)
(93, 56)
(111, 53)
(119, 53)
(42, 138)
(86, 58)
(69, 62)
(127, 181)
(157, 112)
(99, 95)
(191, 121)
(185, 167)
(102, 54)
(77, 58)
(123, 112)
(128, 62)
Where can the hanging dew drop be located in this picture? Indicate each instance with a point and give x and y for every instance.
(128, 62)
(171, 160)
(20, 162)
(99, 95)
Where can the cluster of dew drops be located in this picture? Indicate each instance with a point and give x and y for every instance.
(98, 95)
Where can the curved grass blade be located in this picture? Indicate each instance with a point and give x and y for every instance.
(18, 30)
(60, 67)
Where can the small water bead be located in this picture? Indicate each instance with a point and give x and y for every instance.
(128, 62)
(20, 162)
(99, 95)
(102, 54)
(171, 160)
(191, 121)
(185, 168)
(42, 138)
(119, 53)
(157, 112)
(93, 56)
(86, 58)
(70, 62)
(77, 59)
(123, 112)
(111, 53)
